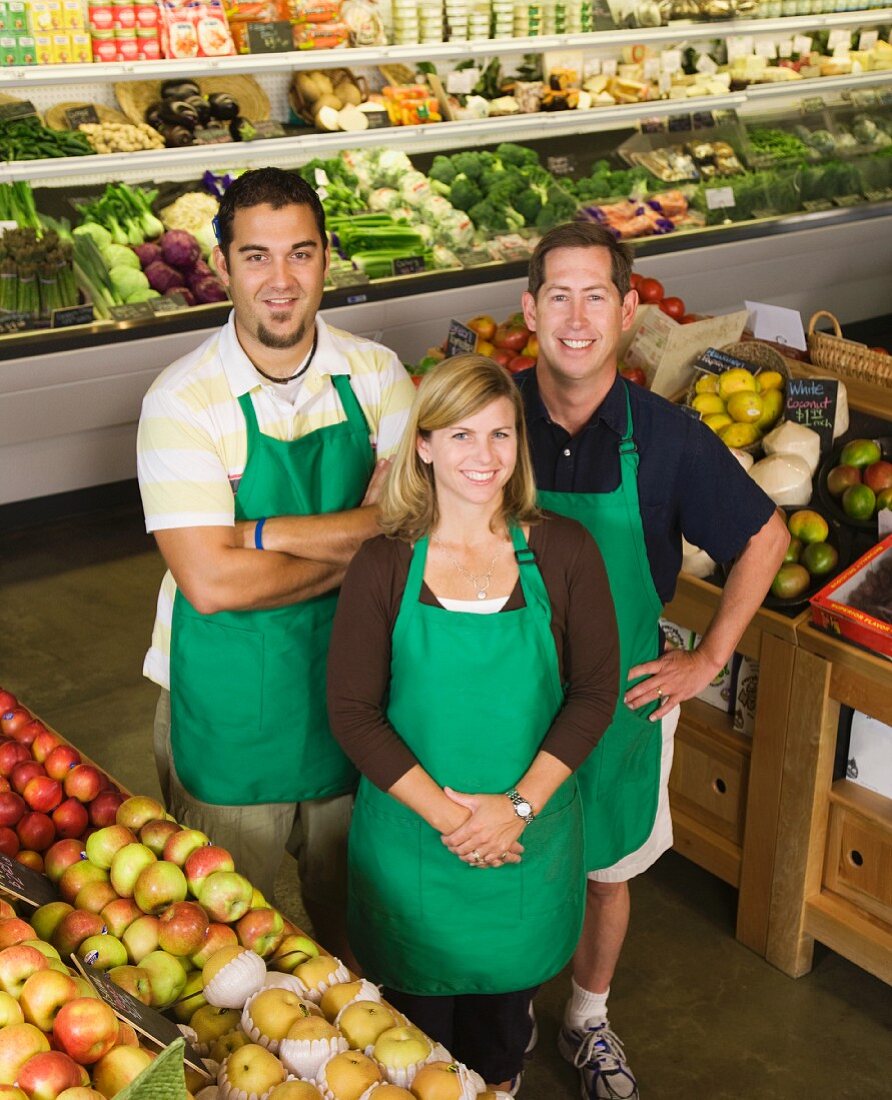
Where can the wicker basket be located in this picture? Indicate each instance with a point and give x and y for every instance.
(56, 119)
(847, 357)
(304, 109)
(136, 96)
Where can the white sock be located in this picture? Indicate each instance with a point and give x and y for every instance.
(584, 1006)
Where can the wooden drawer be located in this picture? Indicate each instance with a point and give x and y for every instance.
(858, 862)
(710, 771)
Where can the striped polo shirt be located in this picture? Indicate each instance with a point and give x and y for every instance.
(192, 439)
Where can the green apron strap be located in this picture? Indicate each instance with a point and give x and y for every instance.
(351, 405)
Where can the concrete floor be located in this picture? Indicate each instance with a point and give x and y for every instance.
(700, 1015)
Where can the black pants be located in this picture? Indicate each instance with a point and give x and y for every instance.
(489, 1032)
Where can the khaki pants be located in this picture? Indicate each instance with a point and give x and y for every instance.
(257, 836)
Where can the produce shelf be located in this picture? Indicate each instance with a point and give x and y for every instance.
(375, 55)
(758, 93)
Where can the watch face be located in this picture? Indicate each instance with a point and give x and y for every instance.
(524, 809)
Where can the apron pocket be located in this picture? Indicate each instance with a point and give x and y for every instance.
(385, 860)
(221, 668)
(552, 865)
(629, 753)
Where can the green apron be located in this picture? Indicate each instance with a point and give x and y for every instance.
(473, 697)
(619, 782)
(247, 688)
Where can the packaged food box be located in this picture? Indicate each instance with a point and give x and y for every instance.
(17, 16)
(4, 17)
(8, 50)
(746, 686)
(73, 18)
(869, 759)
(43, 49)
(857, 604)
(81, 50)
(61, 48)
(27, 54)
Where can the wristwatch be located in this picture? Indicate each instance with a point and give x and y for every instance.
(521, 807)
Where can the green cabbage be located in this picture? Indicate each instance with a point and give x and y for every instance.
(127, 280)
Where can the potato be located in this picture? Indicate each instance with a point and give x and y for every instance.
(323, 82)
(348, 93)
(326, 101)
(307, 86)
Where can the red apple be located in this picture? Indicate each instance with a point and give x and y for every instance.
(9, 841)
(14, 719)
(36, 831)
(14, 930)
(502, 356)
(226, 896)
(182, 844)
(7, 701)
(205, 861)
(12, 753)
(261, 931)
(83, 782)
(61, 856)
(43, 794)
(94, 896)
(120, 914)
(45, 1076)
(47, 918)
(22, 774)
(878, 475)
(43, 994)
(43, 744)
(17, 964)
(511, 336)
(160, 884)
(217, 936)
(12, 806)
(136, 811)
(71, 818)
(32, 860)
(155, 834)
(18, 1043)
(73, 929)
(127, 1036)
(61, 760)
(26, 734)
(85, 1029)
(521, 362)
(118, 1068)
(76, 877)
(182, 929)
(104, 807)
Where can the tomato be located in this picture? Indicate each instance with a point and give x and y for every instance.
(690, 319)
(511, 336)
(502, 356)
(675, 307)
(635, 280)
(521, 362)
(636, 375)
(650, 290)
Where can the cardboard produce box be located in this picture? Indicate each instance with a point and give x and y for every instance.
(831, 608)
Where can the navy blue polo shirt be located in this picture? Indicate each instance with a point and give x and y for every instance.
(689, 483)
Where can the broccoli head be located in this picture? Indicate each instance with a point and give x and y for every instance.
(528, 203)
(560, 207)
(516, 155)
(464, 192)
(442, 170)
(469, 164)
(496, 217)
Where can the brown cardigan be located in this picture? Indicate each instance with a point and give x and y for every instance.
(583, 624)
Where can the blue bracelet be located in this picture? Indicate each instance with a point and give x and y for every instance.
(258, 534)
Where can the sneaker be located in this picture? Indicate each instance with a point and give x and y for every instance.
(599, 1056)
(534, 1033)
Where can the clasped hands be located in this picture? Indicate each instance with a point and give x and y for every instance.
(488, 833)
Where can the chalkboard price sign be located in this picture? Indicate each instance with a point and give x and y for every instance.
(275, 37)
(84, 115)
(148, 1022)
(714, 361)
(812, 403)
(21, 882)
(408, 265)
(73, 315)
(461, 339)
(131, 311)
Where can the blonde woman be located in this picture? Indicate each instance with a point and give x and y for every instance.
(473, 667)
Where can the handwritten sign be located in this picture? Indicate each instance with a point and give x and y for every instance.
(172, 304)
(719, 198)
(145, 1020)
(18, 108)
(714, 361)
(131, 311)
(81, 116)
(275, 37)
(461, 339)
(348, 276)
(408, 265)
(812, 403)
(24, 884)
(73, 315)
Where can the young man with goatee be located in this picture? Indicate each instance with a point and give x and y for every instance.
(639, 474)
(257, 461)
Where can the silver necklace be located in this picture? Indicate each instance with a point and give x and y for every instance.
(480, 581)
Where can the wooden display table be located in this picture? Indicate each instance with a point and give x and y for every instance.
(725, 788)
(834, 840)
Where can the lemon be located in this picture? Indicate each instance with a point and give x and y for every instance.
(745, 407)
(707, 383)
(733, 381)
(708, 403)
(772, 407)
(739, 435)
(769, 380)
(717, 421)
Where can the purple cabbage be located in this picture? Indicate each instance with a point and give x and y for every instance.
(162, 277)
(199, 271)
(187, 295)
(208, 290)
(180, 249)
(148, 253)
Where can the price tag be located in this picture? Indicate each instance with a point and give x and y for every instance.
(81, 116)
(719, 198)
(73, 315)
(842, 50)
(377, 119)
(814, 206)
(664, 83)
(474, 257)
(149, 1023)
(670, 60)
(14, 322)
(461, 339)
(462, 81)
(608, 66)
(785, 47)
(321, 177)
(275, 37)
(867, 40)
(839, 37)
(848, 200)
(212, 135)
(24, 884)
(560, 166)
(348, 276)
(651, 68)
(20, 108)
(688, 411)
(679, 124)
(408, 265)
(737, 47)
(812, 402)
(131, 311)
(801, 44)
(173, 304)
(812, 105)
(714, 361)
(766, 48)
(705, 64)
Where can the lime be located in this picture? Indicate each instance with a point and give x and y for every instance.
(733, 381)
(717, 421)
(772, 407)
(820, 558)
(708, 403)
(707, 383)
(739, 435)
(791, 581)
(769, 380)
(859, 502)
(745, 407)
(860, 452)
(793, 551)
(884, 499)
(808, 525)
